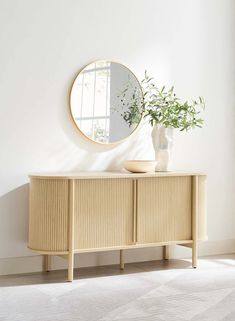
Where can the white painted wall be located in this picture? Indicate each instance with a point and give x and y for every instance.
(188, 43)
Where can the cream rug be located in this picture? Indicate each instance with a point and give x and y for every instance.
(150, 291)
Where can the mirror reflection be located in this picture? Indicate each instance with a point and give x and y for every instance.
(106, 101)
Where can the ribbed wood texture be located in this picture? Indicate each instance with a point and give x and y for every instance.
(113, 213)
(103, 213)
(71, 229)
(48, 218)
(164, 209)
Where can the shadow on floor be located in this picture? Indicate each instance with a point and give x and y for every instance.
(60, 276)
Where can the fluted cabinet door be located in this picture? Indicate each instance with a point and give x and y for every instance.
(103, 213)
(164, 209)
(48, 214)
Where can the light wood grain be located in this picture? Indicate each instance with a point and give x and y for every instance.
(47, 263)
(103, 213)
(134, 220)
(48, 215)
(135, 246)
(48, 252)
(122, 264)
(102, 249)
(87, 213)
(164, 209)
(71, 229)
(114, 174)
(202, 206)
(194, 221)
(166, 252)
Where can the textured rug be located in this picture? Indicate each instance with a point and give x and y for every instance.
(150, 291)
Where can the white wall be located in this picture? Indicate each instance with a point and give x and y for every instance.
(188, 43)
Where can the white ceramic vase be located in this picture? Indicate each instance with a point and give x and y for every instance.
(162, 138)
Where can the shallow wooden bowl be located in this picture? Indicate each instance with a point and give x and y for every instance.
(140, 166)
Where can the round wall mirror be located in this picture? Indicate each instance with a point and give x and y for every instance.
(106, 102)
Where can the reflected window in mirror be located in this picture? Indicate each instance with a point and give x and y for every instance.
(106, 102)
(94, 89)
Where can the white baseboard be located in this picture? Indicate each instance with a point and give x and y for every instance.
(206, 248)
(28, 264)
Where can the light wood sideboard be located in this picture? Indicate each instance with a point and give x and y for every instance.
(101, 211)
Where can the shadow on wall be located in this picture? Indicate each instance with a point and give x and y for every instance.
(81, 155)
(111, 158)
(14, 222)
(88, 155)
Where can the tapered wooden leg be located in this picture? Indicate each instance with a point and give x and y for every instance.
(194, 254)
(70, 266)
(122, 264)
(166, 252)
(47, 263)
(195, 222)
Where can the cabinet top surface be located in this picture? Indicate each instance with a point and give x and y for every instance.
(117, 174)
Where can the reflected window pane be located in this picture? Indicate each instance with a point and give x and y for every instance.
(96, 129)
(102, 102)
(86, 127)
(100, 131)
(102, 63)
(106, 101)
(88, 94)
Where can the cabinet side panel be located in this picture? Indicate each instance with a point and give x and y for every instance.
(202, 218)
(48, 214)
(164, 209)
(103, 213)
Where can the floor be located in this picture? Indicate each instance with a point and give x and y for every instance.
(151, 291)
